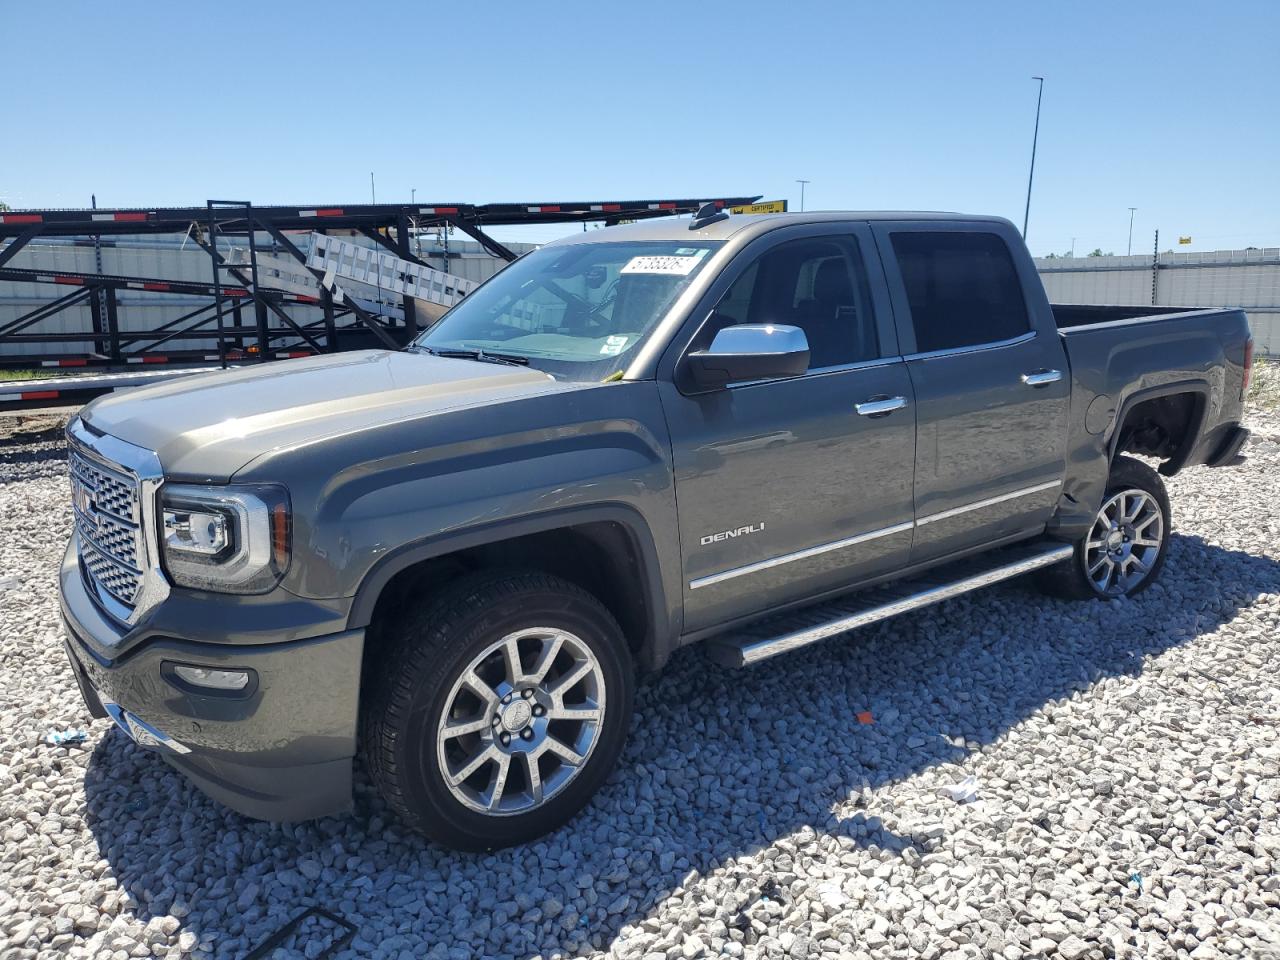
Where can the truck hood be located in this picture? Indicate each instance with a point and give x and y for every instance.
(210, 425)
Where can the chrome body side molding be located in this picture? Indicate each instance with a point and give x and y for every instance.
(822, 548)
(988, 502)
(798, 555)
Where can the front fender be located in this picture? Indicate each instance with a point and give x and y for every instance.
(368, 503)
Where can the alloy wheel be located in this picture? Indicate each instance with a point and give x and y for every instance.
(1124, 542)
(521, 721)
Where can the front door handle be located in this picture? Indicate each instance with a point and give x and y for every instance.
(1041, 378)
(880, 406)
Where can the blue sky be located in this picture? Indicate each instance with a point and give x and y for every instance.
(1171, 108)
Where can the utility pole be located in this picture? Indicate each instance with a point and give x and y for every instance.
(1031, 176)
(373, 192)
(413, 196)
(1131, 209)
(1155, 268)
(802, 183)
(1073, 248)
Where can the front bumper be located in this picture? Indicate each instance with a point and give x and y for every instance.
(279, 750)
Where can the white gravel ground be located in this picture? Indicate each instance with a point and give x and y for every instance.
(1125, 756)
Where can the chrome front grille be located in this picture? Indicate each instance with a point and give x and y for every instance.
(109, 524)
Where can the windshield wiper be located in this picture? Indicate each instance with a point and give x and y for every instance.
(511, 360)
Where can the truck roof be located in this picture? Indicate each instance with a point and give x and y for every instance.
(673, 228)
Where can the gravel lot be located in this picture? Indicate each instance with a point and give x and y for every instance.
(1125, 757)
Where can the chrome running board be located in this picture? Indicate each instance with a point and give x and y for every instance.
(795, 629)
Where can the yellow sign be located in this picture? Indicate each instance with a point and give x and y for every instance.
(768, 206)
(1184, 240)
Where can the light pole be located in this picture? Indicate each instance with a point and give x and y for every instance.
(1031, 176)
(802, 183)
(413, 195)
(373, 191)
(1073, 248)
(1131, 209)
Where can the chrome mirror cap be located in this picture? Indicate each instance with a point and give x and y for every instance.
(749, 351)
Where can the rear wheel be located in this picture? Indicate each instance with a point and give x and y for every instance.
(500, 712)
(1124, 550)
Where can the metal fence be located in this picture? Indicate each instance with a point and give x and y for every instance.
(1249, 279)
(176, 259)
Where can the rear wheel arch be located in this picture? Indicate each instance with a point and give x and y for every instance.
(1164, 422)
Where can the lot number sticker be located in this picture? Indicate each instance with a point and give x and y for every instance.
(670, 266)
(613, 346)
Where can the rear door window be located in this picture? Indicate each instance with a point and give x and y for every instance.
(963, 289)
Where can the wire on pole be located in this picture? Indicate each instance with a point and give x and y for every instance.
(1035, 137)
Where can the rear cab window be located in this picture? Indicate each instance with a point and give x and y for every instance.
(962, 288)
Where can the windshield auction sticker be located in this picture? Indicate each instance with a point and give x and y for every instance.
(671, 266)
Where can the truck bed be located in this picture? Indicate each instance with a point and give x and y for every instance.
(1080, 314)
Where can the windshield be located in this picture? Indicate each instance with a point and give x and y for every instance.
(578, 312)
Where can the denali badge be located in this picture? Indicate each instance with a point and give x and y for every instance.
(730, 534)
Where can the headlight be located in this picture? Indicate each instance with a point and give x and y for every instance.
(232, 539)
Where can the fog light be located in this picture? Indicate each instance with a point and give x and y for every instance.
(213, 679)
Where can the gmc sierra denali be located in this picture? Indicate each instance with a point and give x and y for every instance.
(757, 432)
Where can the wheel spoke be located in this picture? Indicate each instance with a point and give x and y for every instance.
(1102, 560)
(1140, 525)
(460, 728)
(471, 680)
(547, 656)
(500, 781)
(472, 765)
(1095, 544)
(511, 657)
(586, 712)
(1141, 501)
(1107, 565)
(1145, 542)
(563, 751)
(566, 683)
(534, 776)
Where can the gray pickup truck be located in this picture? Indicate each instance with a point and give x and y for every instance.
(758, 432)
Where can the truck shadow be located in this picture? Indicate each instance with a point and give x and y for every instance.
(713, 772)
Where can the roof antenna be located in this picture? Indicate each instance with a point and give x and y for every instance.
(707, 214)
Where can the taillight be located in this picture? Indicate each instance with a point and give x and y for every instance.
(1248, 367)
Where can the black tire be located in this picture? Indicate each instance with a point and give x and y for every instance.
(1070, 579)
(428, 651)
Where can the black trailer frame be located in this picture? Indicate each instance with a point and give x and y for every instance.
(245, 319)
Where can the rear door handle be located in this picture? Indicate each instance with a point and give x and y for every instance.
(880, 406)
(1041, 378)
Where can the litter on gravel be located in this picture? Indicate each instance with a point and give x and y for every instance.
(61, 738)
(966, 791)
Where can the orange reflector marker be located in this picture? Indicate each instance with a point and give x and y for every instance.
(865, 717)
(280, 535)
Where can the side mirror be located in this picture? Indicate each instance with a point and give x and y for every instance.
(749, 351)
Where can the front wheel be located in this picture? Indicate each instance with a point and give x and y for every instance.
(1125, 548)
(500, 710)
